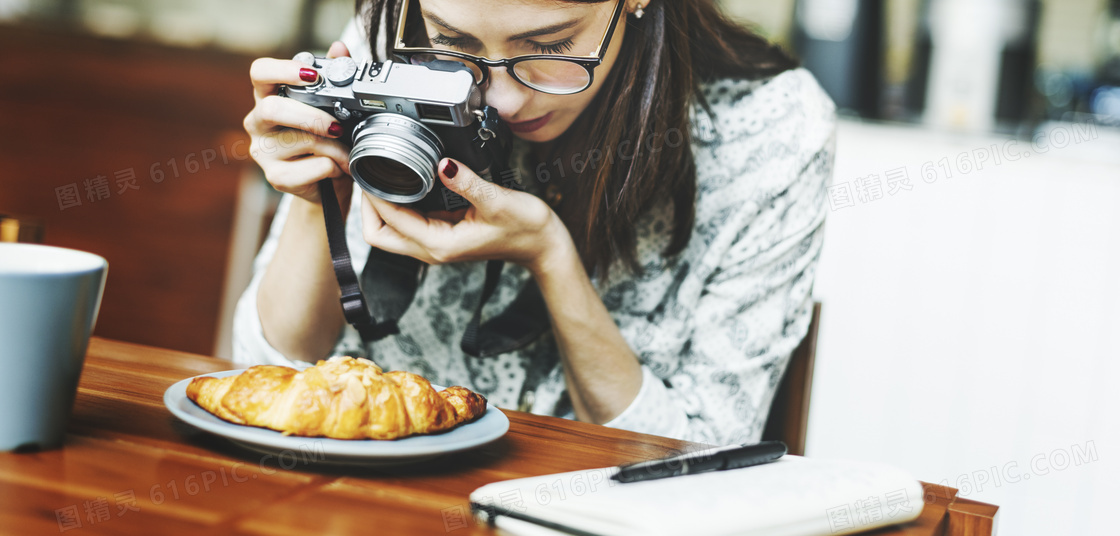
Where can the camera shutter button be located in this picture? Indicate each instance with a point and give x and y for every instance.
(341, 71)
(306, 57)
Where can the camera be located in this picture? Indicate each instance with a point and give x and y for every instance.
(402, 119)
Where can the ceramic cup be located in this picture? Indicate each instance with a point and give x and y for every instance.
(49, 298)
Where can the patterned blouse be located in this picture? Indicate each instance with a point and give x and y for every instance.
(713, 327)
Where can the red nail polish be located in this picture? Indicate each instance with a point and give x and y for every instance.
(308, 75)
(450, 169)
(335, 129)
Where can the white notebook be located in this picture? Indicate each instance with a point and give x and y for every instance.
(793, 496)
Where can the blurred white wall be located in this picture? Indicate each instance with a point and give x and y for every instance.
(971, 324)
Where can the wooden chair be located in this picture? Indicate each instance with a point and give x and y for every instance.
(789, 414)
(157, 184)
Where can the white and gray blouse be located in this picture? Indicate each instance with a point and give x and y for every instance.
(713, 328)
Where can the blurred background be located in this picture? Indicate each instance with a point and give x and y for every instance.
(970, 322)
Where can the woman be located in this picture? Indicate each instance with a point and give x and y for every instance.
(672, 215)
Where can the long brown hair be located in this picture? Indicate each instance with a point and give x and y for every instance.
(666, 54)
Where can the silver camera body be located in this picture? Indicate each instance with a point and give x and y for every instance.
(402, 119)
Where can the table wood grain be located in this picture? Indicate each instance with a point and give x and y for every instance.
(129, 467)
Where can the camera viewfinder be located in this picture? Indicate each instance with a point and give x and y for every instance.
(434, 113)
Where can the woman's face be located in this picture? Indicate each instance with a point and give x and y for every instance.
(498, 29)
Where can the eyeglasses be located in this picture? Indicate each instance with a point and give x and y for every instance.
(548, 73)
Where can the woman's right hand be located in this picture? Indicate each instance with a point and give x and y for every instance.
(296, 144)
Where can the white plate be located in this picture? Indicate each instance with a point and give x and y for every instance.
(492, 425)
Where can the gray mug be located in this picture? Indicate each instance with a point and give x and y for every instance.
(49, 298)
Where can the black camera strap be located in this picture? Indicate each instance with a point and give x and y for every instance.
(395, 295)
(393, 279)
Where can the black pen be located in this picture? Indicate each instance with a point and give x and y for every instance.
(719, 459)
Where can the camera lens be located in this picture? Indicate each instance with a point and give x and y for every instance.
(392, 177)
(395, 157)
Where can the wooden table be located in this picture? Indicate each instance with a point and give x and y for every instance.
(130, 467)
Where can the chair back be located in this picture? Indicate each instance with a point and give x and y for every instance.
(789, 413)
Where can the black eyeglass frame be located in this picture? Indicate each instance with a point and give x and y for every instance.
(589, 63)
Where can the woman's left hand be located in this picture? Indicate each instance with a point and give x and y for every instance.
(500, 223)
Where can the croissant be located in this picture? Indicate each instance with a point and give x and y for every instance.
(340, 398)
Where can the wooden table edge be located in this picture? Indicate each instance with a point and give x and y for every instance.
(958, 516)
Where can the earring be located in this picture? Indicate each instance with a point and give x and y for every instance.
(639, 12)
